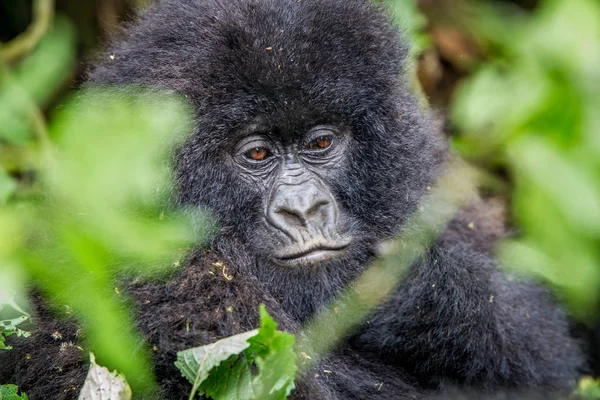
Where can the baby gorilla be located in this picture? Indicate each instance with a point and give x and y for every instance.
(310, 151)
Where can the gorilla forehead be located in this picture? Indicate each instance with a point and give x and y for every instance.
(282, 42)
(290, 46)
(236, 58)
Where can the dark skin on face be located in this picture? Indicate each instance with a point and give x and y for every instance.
(299, 207)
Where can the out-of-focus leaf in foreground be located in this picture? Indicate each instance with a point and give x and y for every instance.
(33, 81)
(12, 279)
(7, 187)
(50, 64)
(223, 370)
(407, 15)
(535, 111)
(588, 388)
(113, 177)
(104, 211)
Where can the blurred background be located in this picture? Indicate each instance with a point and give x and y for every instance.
(514, 86)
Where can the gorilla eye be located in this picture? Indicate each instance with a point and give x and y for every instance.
(258, 153)
(320, 143)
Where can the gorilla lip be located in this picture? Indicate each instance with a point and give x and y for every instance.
(312, 255)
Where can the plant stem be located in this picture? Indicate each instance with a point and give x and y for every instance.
(43, 13)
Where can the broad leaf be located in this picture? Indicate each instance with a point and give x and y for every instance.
(101, 384)
(9, 392)
(277, 364)
(259, 364)
(195, 364)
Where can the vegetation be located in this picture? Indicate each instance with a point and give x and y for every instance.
(224, 369)
(533, 109)
(10, 392)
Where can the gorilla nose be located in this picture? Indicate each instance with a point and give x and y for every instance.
(298, 212)
(301, 206)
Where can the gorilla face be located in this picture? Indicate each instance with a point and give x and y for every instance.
(281, 185)
(302, 190)
(299, 209)
(308, 147)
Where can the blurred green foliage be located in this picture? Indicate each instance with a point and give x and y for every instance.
(407, 15)
(102, 212)
(96, 207)
(587, 389)
(535, 110)
(412, 22)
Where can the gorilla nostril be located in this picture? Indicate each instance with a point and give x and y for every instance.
(292, 217)
(312, 211)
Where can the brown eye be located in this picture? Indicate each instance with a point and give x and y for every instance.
(320, 143)
(258, 153)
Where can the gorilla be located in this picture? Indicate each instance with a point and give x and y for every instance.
(310, 151)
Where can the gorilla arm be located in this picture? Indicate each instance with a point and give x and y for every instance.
(457, 318)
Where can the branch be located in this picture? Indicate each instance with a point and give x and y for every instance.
(43, 13)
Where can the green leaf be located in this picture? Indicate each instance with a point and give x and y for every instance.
(7, 186)
(11, 324)
(232, 380)
(573, 188)
(104, 209)
(119, 190)
(11, 287)
(35, 80)
(9, 327)
(9, 392)
(52, 62)
(3, 345)
(588, 388)
(226, 369)
(196, 363)
(277, 363)
(533, 112)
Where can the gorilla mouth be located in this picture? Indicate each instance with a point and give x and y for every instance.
(311, 255)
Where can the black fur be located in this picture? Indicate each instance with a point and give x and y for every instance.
(455, 321)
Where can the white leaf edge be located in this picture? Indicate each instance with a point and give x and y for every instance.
(210, 356)
(101, 384)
